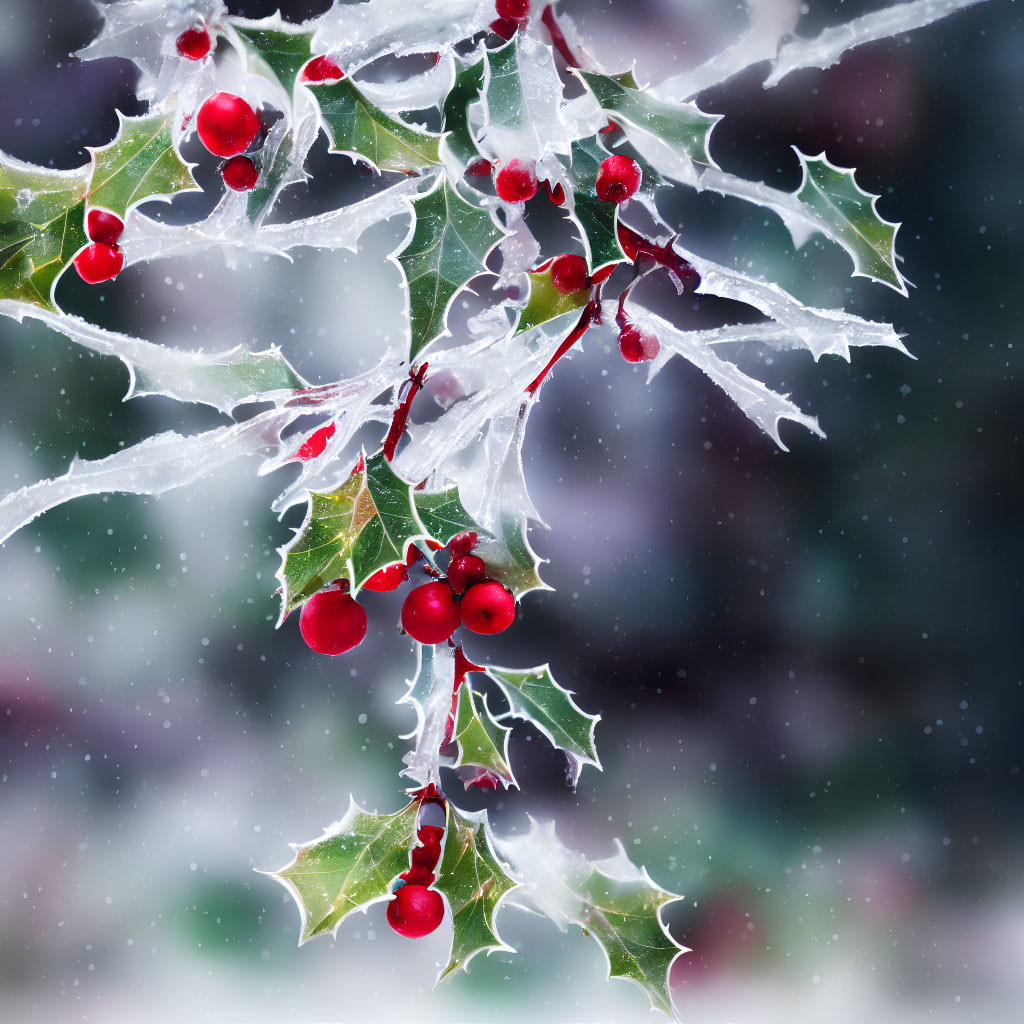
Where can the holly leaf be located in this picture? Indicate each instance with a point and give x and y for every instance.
(451, 240)
(352, 865)
(458, 135)
(365, 525)
(672, 136)
(474, 882)
(847, 215)
(275, 48)
(535, 697)
(613, 901)
(482, 741)
(597, 220)
(141, 163)
(356, 127)
(546, 302)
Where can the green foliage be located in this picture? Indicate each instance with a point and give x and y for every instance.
(365, 525)
(482, 741)
(357, 863)
(449, 245)
(474, 882)
(546, 302)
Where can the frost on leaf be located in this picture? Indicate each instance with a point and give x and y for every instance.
(671, 136)
(223, 380)
(459, 147)
(828, 201)
(353, 865)
(159, 464)
(546, 302)
(430, 694)
(474, 882)
(613, 901)
(358, 128)
(535, 697)
(365, 525)
(482, 741)
(276, 49)
(522, 99)
(450, 242)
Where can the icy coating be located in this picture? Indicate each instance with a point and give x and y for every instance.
(494, 101)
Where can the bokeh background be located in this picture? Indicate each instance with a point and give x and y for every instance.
(809, 664)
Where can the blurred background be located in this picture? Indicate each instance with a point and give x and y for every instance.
(808, 664)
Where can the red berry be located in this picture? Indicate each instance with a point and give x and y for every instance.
(418, 876)
(484, 780)
(464, 571)
(104, 227)
(618, 178)
(226, 124)
(488, 608)
(504, 27)
(387, 579)
(463, 543)
(480, 168)
(193, 44)
(240, 174)
(332, 622)
(428, 852)
(314, 445)
(516, 181)
(638, 346)
(569, 273)
(430, 613)
(557, 196)
(322, 69)
(415, 911)
(99, 262)
(513, 10)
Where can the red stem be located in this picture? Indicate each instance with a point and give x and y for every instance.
(591, 315)
(558, 40)
(401, 417)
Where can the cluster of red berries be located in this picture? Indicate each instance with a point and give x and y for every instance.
(512, 16)
(103, 259)
(333, 622)
(227, 125)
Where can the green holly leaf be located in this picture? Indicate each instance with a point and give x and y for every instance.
(474, 882)
(482, 741)
(672, 136)
(535, 697)
(847, 215)
(458, 136)
(367, 524)
(546, 302)
(510, 558)
(449, 245)
(275, 49)
(353, 865)
(141, 163)
(613, 901)
(356, 127)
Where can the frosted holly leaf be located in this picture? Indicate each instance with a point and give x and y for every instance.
(443, 514)
(281, 158)
(449, 244)
(430, 694)
(522, 99)
(141, 163)
(275, 48)
(671, 136)
(365, 525)
(535, 697)
(42, 226)
(359, 129)
(474, 882)
(353, 865)
(546, 302)
(848, 216)
(613, 901)
(482, 741)
(459, 138)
